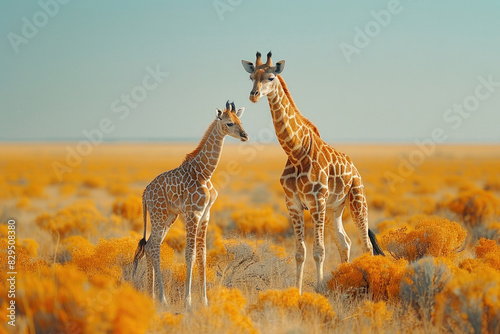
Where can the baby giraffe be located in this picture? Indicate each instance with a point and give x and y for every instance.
(187, 191)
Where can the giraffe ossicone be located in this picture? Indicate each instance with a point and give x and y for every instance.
(317, 177)
(187, 191)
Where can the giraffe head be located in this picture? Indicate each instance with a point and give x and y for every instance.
(262, 75)
(229, 121)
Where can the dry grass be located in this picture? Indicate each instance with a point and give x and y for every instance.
(76, 238)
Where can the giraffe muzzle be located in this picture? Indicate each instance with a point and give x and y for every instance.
(243, 136)
(254, 95)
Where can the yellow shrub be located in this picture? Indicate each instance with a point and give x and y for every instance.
(260, 221)
(129, 208)
(179, 272)
(25, 255)
(378, 275)
(62, 299)
(107, 258)
(67, 189)
(225, 313)
(8, 190)
(167, 255)
(79, 218)
(307, 305)
(475, 206)
(487, 255)
(312, 305)
(434, 237)
(118, 189)
(489, 252)
(495, 228)
(23, 203)
(471, 301)
(176, 236)
(31, 246)
(492, 184)
(376, 312)
(93, 181)
(116, 221)
(34, 190)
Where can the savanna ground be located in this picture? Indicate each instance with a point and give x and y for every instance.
(436, 219)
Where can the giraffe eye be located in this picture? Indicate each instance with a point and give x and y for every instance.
(270, 78)
(230, 124)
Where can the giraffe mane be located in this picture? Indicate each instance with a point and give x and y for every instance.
(304, 119)
(194, 153)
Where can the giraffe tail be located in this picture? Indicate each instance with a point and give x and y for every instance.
(376, 247)
(139, 253)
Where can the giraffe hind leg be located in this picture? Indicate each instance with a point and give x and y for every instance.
(192, 220)
(155, 282)
(339, 235)
(318, 216)
(201, 255)
(359, 213)
(159, 229)
(150, 282)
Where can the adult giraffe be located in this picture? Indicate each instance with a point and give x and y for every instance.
(316, 177)
(187, 191)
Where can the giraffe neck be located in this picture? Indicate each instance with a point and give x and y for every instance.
(294, 135)
(206, 157)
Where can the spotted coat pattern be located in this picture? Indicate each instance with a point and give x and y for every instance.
(316, 177)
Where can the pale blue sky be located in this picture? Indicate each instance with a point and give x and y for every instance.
(72, 73)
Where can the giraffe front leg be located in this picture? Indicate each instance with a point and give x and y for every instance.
(297, 215)
(318, 217)
(201, 255)
(192, 220)
(201, 245)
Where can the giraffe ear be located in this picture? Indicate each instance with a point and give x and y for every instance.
(280, 66)
(218, 113)
(248, 66)
(239, 112)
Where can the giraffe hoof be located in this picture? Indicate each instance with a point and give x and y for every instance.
(187, 304)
